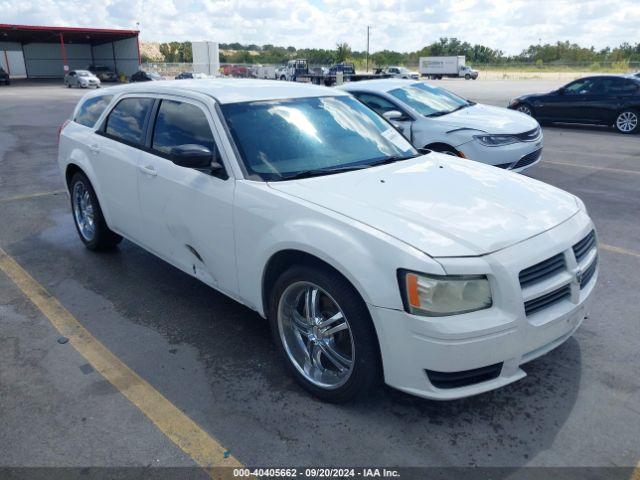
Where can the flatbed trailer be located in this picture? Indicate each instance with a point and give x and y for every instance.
(331, 78)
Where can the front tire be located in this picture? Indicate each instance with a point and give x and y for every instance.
(525, 108)
(627, 121)
(467, 77)
(87, 215)
(324, 333)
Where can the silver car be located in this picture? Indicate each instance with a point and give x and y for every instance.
(82, 79)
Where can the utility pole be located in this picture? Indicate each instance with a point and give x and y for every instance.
(368, 28)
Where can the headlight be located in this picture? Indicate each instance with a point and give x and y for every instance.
(438, 296)
(496, 140)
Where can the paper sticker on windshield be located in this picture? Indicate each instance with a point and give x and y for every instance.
(398, 140)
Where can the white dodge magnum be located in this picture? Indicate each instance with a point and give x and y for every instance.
(371, 261)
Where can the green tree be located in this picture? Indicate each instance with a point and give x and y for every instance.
(343, 51)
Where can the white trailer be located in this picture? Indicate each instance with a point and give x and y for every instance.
(267, 72)
(206, 58)
(439, 67)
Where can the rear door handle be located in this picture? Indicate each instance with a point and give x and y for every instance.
(148, 170)
(94, 149)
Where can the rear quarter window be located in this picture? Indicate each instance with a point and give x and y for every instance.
(91, 109)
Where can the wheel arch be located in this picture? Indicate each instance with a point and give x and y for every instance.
(283, 259)
(438, 146)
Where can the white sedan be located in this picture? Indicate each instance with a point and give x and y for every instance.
(436, 119)
(370, 260)
(82, 79)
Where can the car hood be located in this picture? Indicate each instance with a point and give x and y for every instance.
(441, 205)
(488, 119)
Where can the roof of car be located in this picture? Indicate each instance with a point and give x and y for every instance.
(380, 85)
(230, 90)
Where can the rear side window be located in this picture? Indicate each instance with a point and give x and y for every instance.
(127, 120)
(181, 123)
(621, 86)
(90, 110)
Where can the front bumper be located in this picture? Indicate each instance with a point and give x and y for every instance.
(510, 157)
(418, 352)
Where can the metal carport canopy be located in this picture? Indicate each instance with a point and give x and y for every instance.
(68, 38)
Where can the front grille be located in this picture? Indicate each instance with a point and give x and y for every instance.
(532, 306)
(588, 273)
(585, 245)
(528, 159)
(465, 377)
(542, 270)
(530, 136)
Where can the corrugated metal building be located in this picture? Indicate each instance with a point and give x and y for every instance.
(28, 51)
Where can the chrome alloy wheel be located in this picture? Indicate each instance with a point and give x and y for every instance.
(627, 121)
(83, 211)
(316, 335)
(524, 109)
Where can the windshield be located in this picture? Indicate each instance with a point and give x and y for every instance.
(83, 73)
(428, 100)
(284, 138)
(154, 75)
(404, 70)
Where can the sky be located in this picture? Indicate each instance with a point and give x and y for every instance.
(401, 25)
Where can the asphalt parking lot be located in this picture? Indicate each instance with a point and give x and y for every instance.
(212, 360)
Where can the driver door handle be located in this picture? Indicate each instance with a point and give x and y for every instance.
(148, 170)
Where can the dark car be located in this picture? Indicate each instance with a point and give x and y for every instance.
(184, 76)
(143, 76)
(598, 100)
(4, 77)
(105, 74)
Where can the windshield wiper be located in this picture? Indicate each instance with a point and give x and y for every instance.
(392, 159)
(460, 107)
(316, 172)
(438, 114)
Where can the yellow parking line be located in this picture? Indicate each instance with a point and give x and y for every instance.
(179, 428)
(624, 251)
(31, 195)
(592, 167)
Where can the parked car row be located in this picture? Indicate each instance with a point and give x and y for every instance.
(372, 260)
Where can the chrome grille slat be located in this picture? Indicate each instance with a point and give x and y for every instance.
(588, 273)
(542, 270)
(547, 300)
(583, 247)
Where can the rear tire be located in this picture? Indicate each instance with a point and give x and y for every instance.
(87, 215)
(627, 121)
(309, 348)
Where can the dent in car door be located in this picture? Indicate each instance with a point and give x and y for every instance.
(187, 213)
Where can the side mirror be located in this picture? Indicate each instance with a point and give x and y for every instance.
(393, 115)
(195, 156)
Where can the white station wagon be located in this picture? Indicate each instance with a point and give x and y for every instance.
(439, 275)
